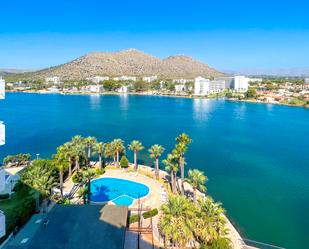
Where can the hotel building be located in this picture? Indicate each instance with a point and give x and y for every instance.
(235, 83)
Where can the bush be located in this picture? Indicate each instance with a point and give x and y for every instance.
(221, 243)
(77, 177)
(133, 218)
(150, 213)
(124, 162)
(4, 196)
(99, 171)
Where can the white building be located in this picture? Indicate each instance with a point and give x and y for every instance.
(125, 78)
(216, 86)
(96, 88)
(123, 89)
(307, 81)
(8, 178)
(236, 83)
(2, 88)
(256, 80)
(201, 86)
(149, 79)
(98, 79)
(2, 133)
(180, 88)
(2, 224)
(182, 81)
(55, 80)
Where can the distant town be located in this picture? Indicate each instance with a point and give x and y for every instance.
(287, 91)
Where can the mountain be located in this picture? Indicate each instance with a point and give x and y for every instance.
(275, 72)
(127, 62)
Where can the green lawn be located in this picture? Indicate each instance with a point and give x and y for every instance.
(21, 204)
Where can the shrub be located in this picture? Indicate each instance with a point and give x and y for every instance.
(4, 196)
(18, 186)
(150, 213)
(133, 218)
(124, 162)
(77, 177)
(220, 243)
(99, 171)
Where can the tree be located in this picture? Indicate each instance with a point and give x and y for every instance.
(61, 164)
(197, 179)
(110, 85)
(135, 146)
(171, 165)
(251, 93)
(140, 86)
(183, 141)
(17, 160)
(67, 151)
(109, 151)
(118, 147)
(89, 141)
(124, 162)
(210, 222)
(155, 152)
(177, 221)
(78, 152)
(99, 150)
(87, 175)
(40, 175)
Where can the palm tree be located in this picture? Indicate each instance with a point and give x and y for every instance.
(135, 146)
(78, 152)
(177, 221)
(197, 179)
(210, 222)
(172, 166)
(183, 141)
(67, 151)
(118, 147)
(61, 165)
(109, 151)
(89, 141)
(87, 176)
(99, 150)
(40, 176)
(156, 151)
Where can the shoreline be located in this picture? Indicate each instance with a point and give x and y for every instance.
(159, 95)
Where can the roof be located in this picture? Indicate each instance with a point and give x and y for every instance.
(75, 227)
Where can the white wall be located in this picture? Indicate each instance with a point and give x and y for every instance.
(2, 224)
(2, 89)
(2, 133)
(201, 86)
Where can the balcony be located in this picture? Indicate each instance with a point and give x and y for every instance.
(2, 133)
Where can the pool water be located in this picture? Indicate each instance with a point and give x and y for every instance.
(119, 191)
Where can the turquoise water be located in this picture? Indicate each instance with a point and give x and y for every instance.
(256, 156)
(121, 192)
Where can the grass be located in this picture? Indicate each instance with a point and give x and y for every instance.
(21, 204)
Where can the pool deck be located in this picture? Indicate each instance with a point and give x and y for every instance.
(154, 198)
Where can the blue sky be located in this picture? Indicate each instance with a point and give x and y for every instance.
(225, 34)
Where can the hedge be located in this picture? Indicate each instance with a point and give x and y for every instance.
(133, 218)
(150, 213)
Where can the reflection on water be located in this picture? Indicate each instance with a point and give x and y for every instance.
(240, 112)
(95, 101)
(202, 109)
(124, 102)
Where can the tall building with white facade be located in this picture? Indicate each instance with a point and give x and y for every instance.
(2, 126)
(201, 86)
(236, 83)
(307, 81)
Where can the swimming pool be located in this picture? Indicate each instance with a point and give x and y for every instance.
(119, 191)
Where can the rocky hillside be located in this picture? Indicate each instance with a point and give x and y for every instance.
(127, 62)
